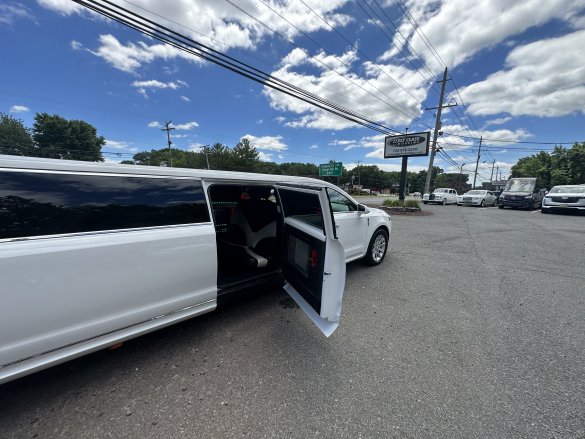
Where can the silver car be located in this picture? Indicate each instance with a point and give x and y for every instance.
(564, 198)
(478, 197)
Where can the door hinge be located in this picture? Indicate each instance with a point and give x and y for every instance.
(326, 273)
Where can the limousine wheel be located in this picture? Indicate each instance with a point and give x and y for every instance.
(377, 248)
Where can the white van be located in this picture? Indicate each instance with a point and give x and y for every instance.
(95, 254)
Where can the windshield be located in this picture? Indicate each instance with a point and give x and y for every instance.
(438, 191)
(568, 190)
(475, 193)
(521, 185)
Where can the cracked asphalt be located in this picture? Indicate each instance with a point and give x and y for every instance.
(472, 327)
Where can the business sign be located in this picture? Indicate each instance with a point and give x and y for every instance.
(406, 145)
(330, 169)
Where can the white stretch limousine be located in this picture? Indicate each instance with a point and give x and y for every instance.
(95, 254)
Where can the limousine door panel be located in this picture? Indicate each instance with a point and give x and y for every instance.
(313, 258)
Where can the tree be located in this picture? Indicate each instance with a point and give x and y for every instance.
(538, 165)
(56, 137)
(15, 138)
(244, 156)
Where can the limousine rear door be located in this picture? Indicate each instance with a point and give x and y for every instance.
(313, 258)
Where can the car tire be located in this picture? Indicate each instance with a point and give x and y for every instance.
(444, 201)
(377, 248)
(482, 204)
(495, 203)
(544, 210)
(500, 206)
(425, 202)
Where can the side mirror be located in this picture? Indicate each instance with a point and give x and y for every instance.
(362, 208)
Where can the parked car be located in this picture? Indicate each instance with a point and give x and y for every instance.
(460, 200)
(441, 196)
(522, 193)
(564, 198)
(479, 197)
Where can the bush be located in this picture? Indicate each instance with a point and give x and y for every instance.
(398, 203)
(392, 203)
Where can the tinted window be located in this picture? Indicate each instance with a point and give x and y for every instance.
(339, 202)
(303, 206)
(33, 204)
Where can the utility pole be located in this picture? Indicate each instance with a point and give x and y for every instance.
(168, 129)
(477, 161)
(437, 128)
(459, 181)
(492, 176)
(359, 163)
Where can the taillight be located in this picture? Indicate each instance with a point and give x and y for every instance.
(313, 258)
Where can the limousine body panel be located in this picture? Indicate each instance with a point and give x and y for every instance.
(77, 287)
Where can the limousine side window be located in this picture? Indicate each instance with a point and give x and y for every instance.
(43, 203)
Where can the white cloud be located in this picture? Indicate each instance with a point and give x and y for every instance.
(9, 13)
(76, 45)
(222, 24)
(19, 109)
(544, 78)
(186, 126)
(498, 121)
(153, 83)
(64, 7)
(154, 124)
(458, 32)
(374, 93)
(196, 147)
(116, 144)
(264, 157)
(267, 142)
(315, 146)
(259, 122)
(130, 57)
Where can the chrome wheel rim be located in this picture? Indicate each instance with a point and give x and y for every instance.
(379, 248)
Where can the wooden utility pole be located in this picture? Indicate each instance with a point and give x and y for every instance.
(477, 161)
(168, 129)
(492, 176)
(437, 128)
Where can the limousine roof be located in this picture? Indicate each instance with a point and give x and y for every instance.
(18, 162)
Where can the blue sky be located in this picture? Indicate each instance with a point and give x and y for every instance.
(516, 67)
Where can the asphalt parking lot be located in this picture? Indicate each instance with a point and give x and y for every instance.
(471, 328)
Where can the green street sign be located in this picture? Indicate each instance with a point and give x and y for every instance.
(330, 169)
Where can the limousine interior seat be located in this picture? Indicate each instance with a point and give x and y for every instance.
(246, 231)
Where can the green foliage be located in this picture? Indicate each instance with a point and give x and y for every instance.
(453, 180)
(395, 202)
(56, 137)
(15, 138)
(392, 202)
(562, 166)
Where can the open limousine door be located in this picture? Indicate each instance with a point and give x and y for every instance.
(313, 258)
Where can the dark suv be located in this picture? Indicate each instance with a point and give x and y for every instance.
(523, 193)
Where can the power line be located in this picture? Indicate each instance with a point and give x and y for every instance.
(433, 77)
(403, 110)
(179, 41)
(385, 34)
(420, 33)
